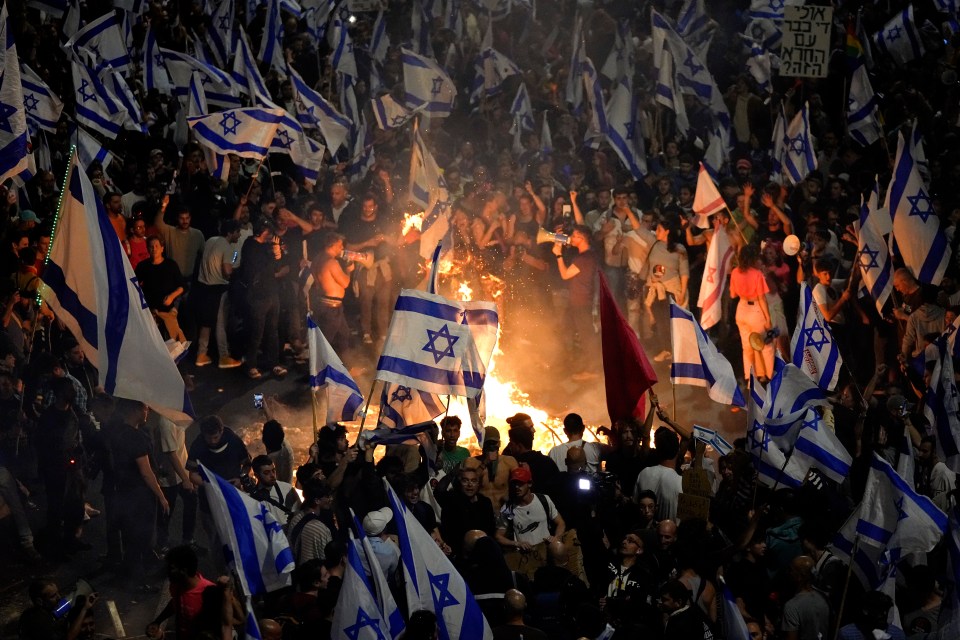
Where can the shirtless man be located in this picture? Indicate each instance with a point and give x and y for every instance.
(326, 296)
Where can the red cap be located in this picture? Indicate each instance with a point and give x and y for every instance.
(521, 474)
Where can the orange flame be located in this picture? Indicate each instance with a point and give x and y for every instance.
(412, 221)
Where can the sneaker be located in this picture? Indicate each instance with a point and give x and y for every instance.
(279, 371)
(226, 362)
(254, 374)
(367, 339)
(203, 360)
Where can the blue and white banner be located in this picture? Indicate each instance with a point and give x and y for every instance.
(491, 69)
(386, 435)
(245, 72)
(876, 268)
(697, 362)
(790, 393)
(402, 406)
(573, 92)
(799, 157)
(254, 545)
(522, 109)
(90, 150)
(271, 40)
(900, 37)
(96, 108)
(103, 40)
(863, 124)
(768, 459)
(426, 85)
(218, 86)
(314, 111)
(305, 152)
(623, 134)
(220, 32)
(917, 236)
(248, 132)
(941, 408)
(14, 140)
(813, 347)
(128, 103)
(432, 582)
(712, 438)
(389, 113)
(362, 156)
(388, 606)
(816, 445)
(427, 186)
(42, 105)
(379, 40)
(357, 615)
(154, 71)
(598, 110)
(438, 345)
(695, 26)
(419, 30)
(619, 66)
(344, 400)
(759, 66)
(218, 165)
(90, 286)
(344, 60)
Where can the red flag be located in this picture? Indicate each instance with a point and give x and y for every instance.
(626, 370)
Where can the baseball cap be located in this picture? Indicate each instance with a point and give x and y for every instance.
(521, 474)
(376, 521)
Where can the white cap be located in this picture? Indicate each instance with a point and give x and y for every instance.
(376, 521)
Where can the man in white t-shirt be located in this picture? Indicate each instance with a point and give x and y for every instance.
(524, 524)
(663, 478)
(169, 442)
(573, 427)
(216, 266)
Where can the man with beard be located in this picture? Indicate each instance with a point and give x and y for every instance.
(465, 509)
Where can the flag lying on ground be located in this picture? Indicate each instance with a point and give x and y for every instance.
(344, 400)
(438, 345)
(246, 132)
(917, 236)
(626, 369)
(90, 286)
(697, 362)
(427, 85)
(717, 267)
(432, 582)
(900, 38)
(254, 545)
(873, 258)
(813, 347)
(14, 141)
(41, 104)
(402, 406)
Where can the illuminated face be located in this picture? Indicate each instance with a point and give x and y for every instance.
(335, 249)
(183, 220)
(267, 475)
(338, 195)
(114, 204)
(469, 483)
(648, 507)
(139, 228)
(451, 433)
(369, 208)
(155, 249)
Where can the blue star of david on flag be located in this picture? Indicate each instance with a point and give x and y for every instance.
(812, 423)
(364, 620)
(6, 111)
(87, 97)
(810, 335)
(437, 86)
(871, 256)
(229, 123)
(224, 23)
(158, 59)
(761, 443)
(30, 102)
(268, 526)
(442, 598)
(776, 5)
(691, 64)
(920, 205)
(894, 34)
(401, 394)
(396, 121)
(630, 128)
(431, 346)
(285, 140)
(901, 514)
(798, 145)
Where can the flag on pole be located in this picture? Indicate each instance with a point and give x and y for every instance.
(758, 64)
(219, 87)
(271, 40)
(90, 150)
(697, 362)
(816, 445)
(813, 347)
(598, 116)
(522, 109)
(402, 406)
(344, 60)
(432, 582)
(314, 111)
(385, 601)
(900, 37)
(218, 165)
(717, 268)
(96, 108)
(246, 132)
(917, 236)
(357, 615)
(789, 395)
(344, 400)
(103, 40)
(546, 139)
(14, 140)
(940, 401)
(667, 92)
(128, 103)
(254, 545)
(426, 85)
(622, 131)
(799, 156)
(626, 369)
(220, 31)
(707, 200)
(90, 286)
(246, 74)
(573, 92)
(154, 71)
(872, 256)
(42, 105)
(863, 124)
(768, 459)
(389, 113)
(429, 190)
(734, 626)
(379, 40)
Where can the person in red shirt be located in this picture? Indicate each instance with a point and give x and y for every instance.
(748, 283)
(135, 245)
(186, 594)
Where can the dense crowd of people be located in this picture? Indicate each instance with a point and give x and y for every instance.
(556, 543)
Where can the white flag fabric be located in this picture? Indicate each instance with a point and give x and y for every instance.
(271, 40)
(90, 286)
(734, 626)
(220, 32)
(402, 406)
(344, 400)
(697, 362)
(872, 255)
(900, 38)
(103, 39)
(799, 156)
(385, 601)
(594, 92)
(941, 408)
(717, 268)
(862, 122)
(41, 104)
(245, 72)
(96, 108)
(917, 235)
(432, 582)
(623, 133)
(768, 459)
(789, 395)
(254, 545)
(707, 199)
(217, 164)
(779, 146)
(389, 113)
(154, 71)
(219, 87)
(14, 140)
(817, 446)
(522, 109)
(439, 345)
(667, 91)
(426, 85)
(344, 60)
(813, 347)
(546, 138)
(758, 64)
(357, 615)
(90, 150)
(379, 40)
(246, 132)
(129, 105)
(427, 186)
(314, 111)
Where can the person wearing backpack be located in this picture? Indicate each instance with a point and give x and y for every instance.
(527, 523)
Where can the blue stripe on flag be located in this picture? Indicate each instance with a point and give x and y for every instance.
(823, 458)
(403, 539)
(87, 320)
(874, 532)
(925, 504)
(934, 257)
(240, 519)
(410, 369)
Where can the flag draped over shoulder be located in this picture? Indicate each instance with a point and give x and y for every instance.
(254, 544)
(344, 400)
(626, 370)
(438, 345)
(90, 286)
(696, 360)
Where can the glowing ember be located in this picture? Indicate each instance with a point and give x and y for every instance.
(412, 221)
(465, 292)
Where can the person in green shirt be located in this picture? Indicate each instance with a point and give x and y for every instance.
(451, 455)
(743, 219)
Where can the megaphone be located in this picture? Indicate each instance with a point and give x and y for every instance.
(759, 340)
(544, 236)
(362, 258)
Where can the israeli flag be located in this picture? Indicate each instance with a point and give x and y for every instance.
(249, 132)
(128, 103)
(427, 186)
(90, 286)
(246, 74)
(697, 362)
(426, 85)
(917, 236)
(317, 18)
(734, 626)
(154, 71)
(492, 69)
(389, 113)
(619, 66)
(344, 60)
(432, 582)
(598, 116)
(438, 345)
(218, 165)
(872, 256)
(219, 87)
(862, 122)
(789, 395)
(344, 400)
(14, 140)
(900, 38)
(348, 96)
(573, 92)
(362, 156)
(546, 138)
(768, 459)
(758, 64)
(695, 26)
(96, 108)
(314, 111)
(941, 408)
(778, 159)
(799, 156)
(622, 131)
(707, 199)
(220, 33)
(813, 347)
(379, 40)
(271, 42)
(522, 109)
(667, 92)
(357, 615)
(770, 9)
(420, 30)
(712, 438)
(389, 610)
(716, 269)
(103, 40)
(305, 153)
(402, 406)
(42, 105)
(90, 150)
(816, 445)
(254, 545)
